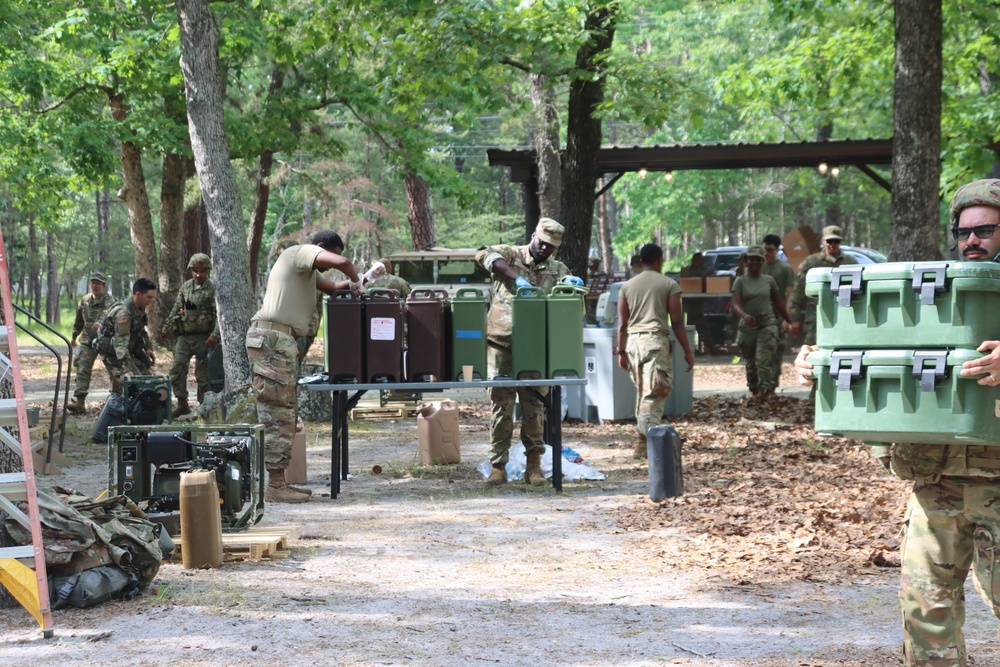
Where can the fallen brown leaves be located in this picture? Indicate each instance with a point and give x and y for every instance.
(767, 500)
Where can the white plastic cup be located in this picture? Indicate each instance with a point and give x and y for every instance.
(467, 373)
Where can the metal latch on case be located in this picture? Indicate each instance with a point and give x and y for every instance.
(929, 281)
(845, 282)
(845, 368)
(930, 375)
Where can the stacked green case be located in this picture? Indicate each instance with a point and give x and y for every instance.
(893, 339)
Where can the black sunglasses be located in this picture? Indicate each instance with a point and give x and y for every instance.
(833, 241)
(981, 232)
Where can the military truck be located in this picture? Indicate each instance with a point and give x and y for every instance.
(441, 268)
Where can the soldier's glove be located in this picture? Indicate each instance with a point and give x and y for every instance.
(521, 282)
(374, 273)
(576, 281)
(358, 287)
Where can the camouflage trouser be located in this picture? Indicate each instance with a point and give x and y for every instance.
(809, 322)
(501, 362)
(759, 346)
(273, 373)
(303, 343)
(117, 371)
(84, 363)
(951, 525)
(652, 371)
(187, 346)
(779, 356)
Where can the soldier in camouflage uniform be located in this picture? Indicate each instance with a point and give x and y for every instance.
(289, 303)
(390, 281)
(784, 275)
(645, 303)
(756, 298)
(514, 267)
(803, 308)
(89, 313)
(194, 322)
(953, 515)
(123, 342)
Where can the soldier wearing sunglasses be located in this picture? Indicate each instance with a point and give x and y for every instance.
(952, 521)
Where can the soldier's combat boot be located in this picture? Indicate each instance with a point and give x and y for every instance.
(533, 472)
(640, 447)
(182, 408)
(498, 476)
(78, 405)
(278, 490)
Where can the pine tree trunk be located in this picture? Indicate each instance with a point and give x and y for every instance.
(231, 263)
(171, 234)
(34, 275)
(262, 189)
(51, 280)
(421, 216)
(103, 201)
(547, 158)
(916, 154)
(583, 139)
(133, 192)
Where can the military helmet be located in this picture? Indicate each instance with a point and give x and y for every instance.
(99, 276)
(200, 260)
(985, 192)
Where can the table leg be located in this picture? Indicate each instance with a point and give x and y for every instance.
(338, 417)
(554, 419)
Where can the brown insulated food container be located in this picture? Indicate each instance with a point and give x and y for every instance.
(426, 336)
(383, 337)
(344, 335)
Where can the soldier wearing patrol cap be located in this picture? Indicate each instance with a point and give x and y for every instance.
(193, 320)
(89, 313)
(953, 514)
(803, 308)
(514, 267)
(756, 297)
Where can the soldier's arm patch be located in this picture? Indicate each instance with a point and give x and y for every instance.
(123, 319)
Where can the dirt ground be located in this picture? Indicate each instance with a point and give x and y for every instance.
(781, 553)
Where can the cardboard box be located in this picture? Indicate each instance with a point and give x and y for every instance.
(799, 244)
(296, 471)
(719, 284)
(692, 285)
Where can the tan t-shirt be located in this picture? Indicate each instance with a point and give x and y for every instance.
(290, 297)
(648, 297)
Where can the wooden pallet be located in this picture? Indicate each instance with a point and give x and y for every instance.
(252, 544)
(375, 412)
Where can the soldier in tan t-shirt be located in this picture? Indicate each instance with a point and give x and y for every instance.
(289, 303)
(645, 303)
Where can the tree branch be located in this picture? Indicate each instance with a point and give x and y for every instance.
(53, 107)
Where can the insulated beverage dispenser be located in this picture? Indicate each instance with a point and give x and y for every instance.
(565, 310)
(426, 336)
(528, 336)
(383, 337)
(344, 330)
(468, 332)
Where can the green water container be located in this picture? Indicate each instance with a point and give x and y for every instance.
(904, 396)
(564, 338)
(468, 332)
(906, 304)
(528, 333)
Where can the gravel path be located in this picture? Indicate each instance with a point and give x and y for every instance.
(423, 566)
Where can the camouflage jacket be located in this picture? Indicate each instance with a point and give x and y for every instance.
(124, 340)
(194, 311)
(930, 462)
(800, 303)
(390, 281)
(544, 275)
(90, 311)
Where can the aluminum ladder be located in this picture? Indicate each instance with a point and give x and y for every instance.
(22, 569)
